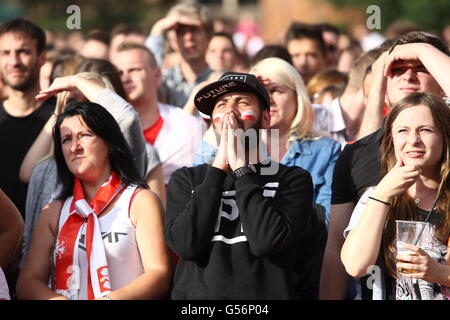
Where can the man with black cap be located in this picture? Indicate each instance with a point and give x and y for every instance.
(239, 227)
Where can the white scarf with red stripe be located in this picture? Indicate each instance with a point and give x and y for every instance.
(68, 274)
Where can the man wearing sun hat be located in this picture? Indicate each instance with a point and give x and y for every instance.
(239, 230)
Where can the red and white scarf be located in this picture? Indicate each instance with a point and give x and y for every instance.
(67, 266)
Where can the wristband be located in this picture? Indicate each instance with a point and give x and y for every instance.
(240, 172)
(381, 201)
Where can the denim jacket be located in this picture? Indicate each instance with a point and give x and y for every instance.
(317, 156)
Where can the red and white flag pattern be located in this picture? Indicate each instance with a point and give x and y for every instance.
(245, 115)
(248, 115)
(67, 264)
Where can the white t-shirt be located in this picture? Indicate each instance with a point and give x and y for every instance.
(178, 139)
(4, 291)
(329, 119)
(119, 238)
(358, 211)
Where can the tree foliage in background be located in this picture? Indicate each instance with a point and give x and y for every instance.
(95, 14)
(429, 15)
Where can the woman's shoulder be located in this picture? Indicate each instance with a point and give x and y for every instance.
(323, 141)
(144, 197)
(320, 144)
(144, 202)
(51, 213)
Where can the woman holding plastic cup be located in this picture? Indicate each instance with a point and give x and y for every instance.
(415, 161)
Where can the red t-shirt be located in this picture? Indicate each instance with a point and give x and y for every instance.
(151, 133)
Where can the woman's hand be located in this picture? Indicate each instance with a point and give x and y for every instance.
(77, 84)
(60, 84)
(423, 266)
(396, 181)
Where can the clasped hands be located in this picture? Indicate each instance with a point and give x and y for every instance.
(230, 153)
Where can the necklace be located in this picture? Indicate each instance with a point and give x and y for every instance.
(418, 200)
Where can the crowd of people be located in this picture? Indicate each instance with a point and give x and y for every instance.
(196, 162)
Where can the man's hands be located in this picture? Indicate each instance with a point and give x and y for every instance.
(171, 22)
(379, 80)
(405, 52)
(373, 115)
(230, 153)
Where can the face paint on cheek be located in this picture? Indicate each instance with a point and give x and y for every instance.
(248, 115)
(218, 117)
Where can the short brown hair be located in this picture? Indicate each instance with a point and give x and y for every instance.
(360, 66)
(299, 30)
(421, 37)
(128, 45)
(98, 35)
(28, 28)
(126, 29)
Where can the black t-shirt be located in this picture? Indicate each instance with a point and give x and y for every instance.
(16, 137)
(357, 168)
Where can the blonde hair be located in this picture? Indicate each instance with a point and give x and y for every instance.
(284, 73)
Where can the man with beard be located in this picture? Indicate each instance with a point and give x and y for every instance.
(22, 54)
(239, 228)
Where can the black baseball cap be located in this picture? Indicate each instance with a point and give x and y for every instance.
(206, 98)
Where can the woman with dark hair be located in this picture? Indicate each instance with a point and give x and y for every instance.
(415, 160)
(105, 233)
(38, 166)
(154, 172)
(103, 124)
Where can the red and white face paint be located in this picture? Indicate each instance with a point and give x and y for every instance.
(245, 116)
(218, 117)
(248, 115)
